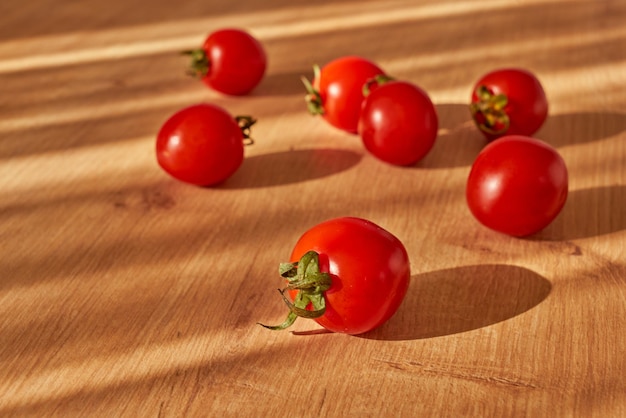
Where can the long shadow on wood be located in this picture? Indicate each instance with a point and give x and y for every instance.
(461, 299)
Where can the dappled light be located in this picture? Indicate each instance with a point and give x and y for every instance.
(124, 291)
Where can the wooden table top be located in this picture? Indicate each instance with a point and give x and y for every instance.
(124, 292)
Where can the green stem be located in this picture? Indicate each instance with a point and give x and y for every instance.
(310, 283)
(377, 80)
(199, 62)
(313, 98)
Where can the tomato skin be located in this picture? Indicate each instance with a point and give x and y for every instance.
(398, 123)
(369, 268)
(237, 61)
(517, 185)
(527, 105)
(340, 87)
(201, 144)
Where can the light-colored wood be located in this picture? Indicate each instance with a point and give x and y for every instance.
(126, 293)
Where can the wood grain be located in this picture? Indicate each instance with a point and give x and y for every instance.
(126, 293)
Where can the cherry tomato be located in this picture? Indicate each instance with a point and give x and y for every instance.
(398, 123)
(517, 185)
(337, 90)
(202, 144)
(230, 61)
(349, 274)
(509, 101)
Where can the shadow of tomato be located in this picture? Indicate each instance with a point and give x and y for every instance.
(461, 299)
(588, 213)
(581, 127)
(458, 140)
(289, 167)
(283, 84)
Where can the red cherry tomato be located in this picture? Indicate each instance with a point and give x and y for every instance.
(337, 90)
(517, 185)
(509, 101)
(398, 123)
(361, 270)
(201, 144)
(230, 61)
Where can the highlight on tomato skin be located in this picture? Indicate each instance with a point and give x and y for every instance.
(230, 61)
(201, 144)
(508, 101)
(517, 185)
(347, 274)
(398, 122)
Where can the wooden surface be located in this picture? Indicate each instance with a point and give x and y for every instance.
(126, 293)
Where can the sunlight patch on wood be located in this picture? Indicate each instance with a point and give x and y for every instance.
(85, 165)
(521, 47)
(591, 81)
(101, 372)
(100, 110)
(172, 37)
(558, 84)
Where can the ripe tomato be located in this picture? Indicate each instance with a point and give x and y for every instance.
(517, 185)
(398, 123)
(352, 275)
(337, 90)
(202, 144)
(230, 61)
(509, 101)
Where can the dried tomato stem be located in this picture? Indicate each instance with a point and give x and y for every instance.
(489, 111)
(245, 123)
(199, 62)
(310, 283)
(313, 98)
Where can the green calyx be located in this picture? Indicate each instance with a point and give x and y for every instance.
(199, 62)
(313, 98)
(488, 112)
(378, 80)
(305, 277)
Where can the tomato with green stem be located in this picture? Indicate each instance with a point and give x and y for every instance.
(202, 144)
(348, 274)
(508, 101)
(517, 185)
(230, 61)
(336, 92)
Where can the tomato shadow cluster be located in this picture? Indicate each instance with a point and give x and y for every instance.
(581, 127)
(458, 141)
(461, 299)
(282, 84)
(588, 213)
(292, 166)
